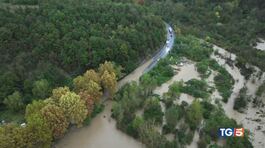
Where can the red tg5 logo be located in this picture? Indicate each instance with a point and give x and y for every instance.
(231, 132)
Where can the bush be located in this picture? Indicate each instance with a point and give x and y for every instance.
(173, 114)
(162, 72)
(207, 109)
(153, 110)
(224, 84)
(241, 100)
(168, 99)
(196, 88)
(203, 68)
(166, 129)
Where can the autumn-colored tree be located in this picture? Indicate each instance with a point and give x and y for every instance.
(109, 82)
(74, 108)
(38, 133)
(88, 100)
(11, 135)
(106, 66)
(92, 75)
(34, 108)
(89, 83)
(80, 81)
(56, 120)
(59, 92)
(107, 74)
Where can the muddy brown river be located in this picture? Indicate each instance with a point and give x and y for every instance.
(101, 133)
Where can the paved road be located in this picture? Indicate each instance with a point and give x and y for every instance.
(164, 51)
(148, 65)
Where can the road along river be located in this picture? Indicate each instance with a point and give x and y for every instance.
(102, 132)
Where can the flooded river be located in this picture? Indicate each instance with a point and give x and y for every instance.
(101, 133)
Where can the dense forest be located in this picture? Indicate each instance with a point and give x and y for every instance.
(46, 46)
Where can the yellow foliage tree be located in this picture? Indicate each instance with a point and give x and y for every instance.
(89, 83)
(106, 66)
(92, 75)
(12, 135)
(34, 107)
(57, 93)
(109, 82)
(74, 108)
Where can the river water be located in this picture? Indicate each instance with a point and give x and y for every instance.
(101, 133)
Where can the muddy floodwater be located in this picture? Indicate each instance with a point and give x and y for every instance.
(101, 133)
(251, 115)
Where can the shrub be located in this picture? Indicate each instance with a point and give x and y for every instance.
(152, 110)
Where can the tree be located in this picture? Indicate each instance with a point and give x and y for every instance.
(41, 89)
(109, 82)
(92, 75)
(172, 115)
(74, 108)
(57, 93)
(150, 137)
(38, 132)
(90, 102)
(14, 101)
(194, 114)
(152, 110)
(34, 107)
(175, 89)
(12, 135)
(241, 100)
(107, 74)
(55, 119)
(8, 81)
(106, 66)
(86, 84)
(148, 83)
